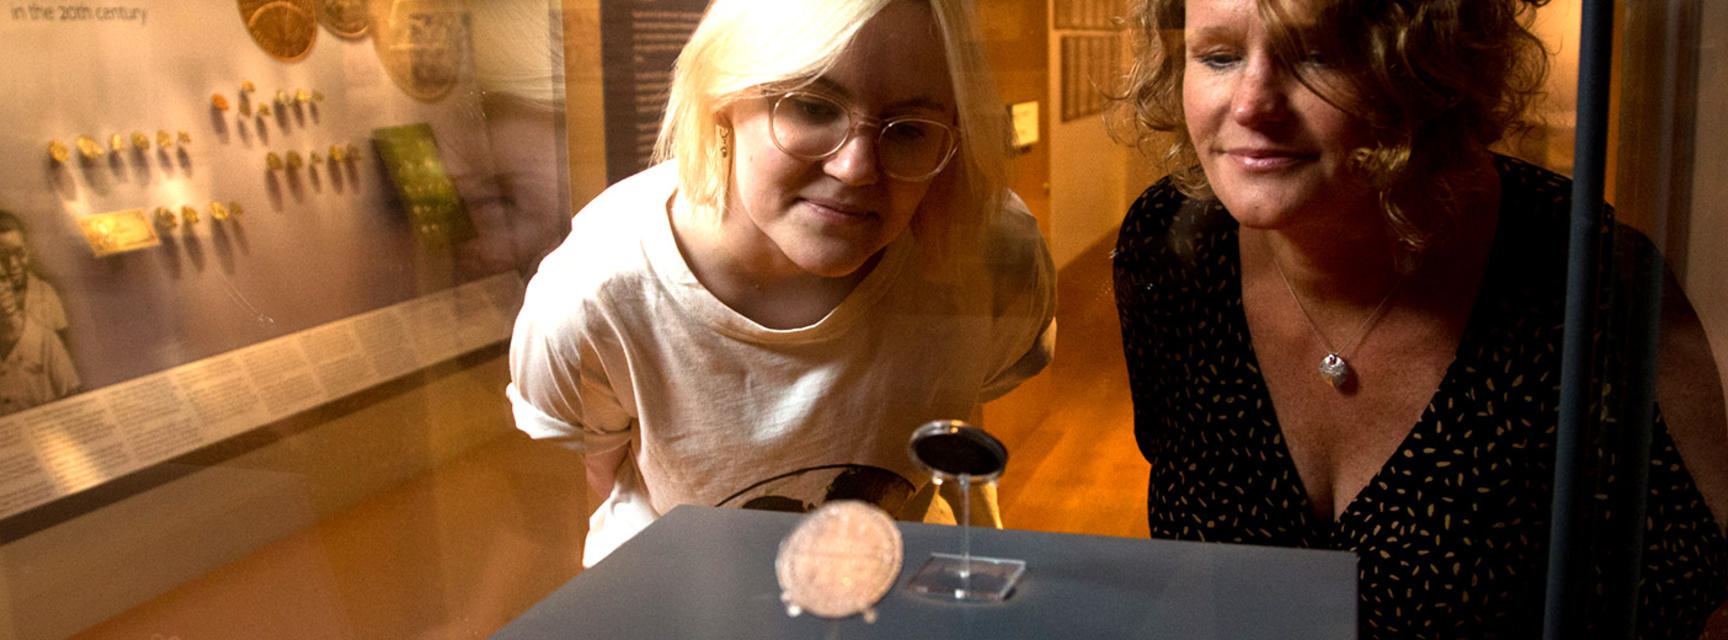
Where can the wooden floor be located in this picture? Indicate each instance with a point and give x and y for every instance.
(1073, 465)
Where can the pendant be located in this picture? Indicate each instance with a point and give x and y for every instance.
(1334, 370)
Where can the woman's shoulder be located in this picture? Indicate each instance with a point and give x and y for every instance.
(607, 248)
(1158, 200)
(1165, 223)
(625, 203)
(1166, 205)
(1531, 194)
(1009, 249)
(1536, 214)
(1014, 229)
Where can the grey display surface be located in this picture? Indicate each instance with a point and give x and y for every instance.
(704, 572)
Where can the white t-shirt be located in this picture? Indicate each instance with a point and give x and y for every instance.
(619, 345)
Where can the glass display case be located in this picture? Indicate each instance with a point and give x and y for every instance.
(262, 261)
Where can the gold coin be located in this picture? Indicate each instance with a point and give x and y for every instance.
(58, 151)
(188, 214)
(314, 158)
(140, 140)
(247, 86)
(234, 208)
(345, 18)
(165, 218)
(219, 101)
(301, 96)
(163, 139)
(273, 161)
(294, 161)
(88, 148)
(263, 110)
(116, 143)
(337, 153)
(284, 29)
(423, 44)
(185, 138)
(218, 211)
(281, 96)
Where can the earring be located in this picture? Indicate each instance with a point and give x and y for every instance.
(725, 143)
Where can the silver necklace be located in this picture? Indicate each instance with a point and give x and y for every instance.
(1334, 369)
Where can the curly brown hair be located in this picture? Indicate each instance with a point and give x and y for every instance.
(1434, 81)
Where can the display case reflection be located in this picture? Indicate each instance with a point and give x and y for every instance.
(306, 200)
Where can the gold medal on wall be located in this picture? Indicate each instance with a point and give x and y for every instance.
(282, 28)
(422, 44)
(345, 18)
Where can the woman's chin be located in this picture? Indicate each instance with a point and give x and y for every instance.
(832, 268)
(1280, 208)
(836, 264)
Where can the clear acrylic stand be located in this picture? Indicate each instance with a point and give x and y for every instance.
(951, 450)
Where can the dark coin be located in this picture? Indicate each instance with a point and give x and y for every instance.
(345, 18)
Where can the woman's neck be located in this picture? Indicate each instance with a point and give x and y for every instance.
(1346, 259)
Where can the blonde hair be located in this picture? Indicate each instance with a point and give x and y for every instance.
(746, 44)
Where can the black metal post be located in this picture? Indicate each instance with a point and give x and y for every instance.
(1568, 552)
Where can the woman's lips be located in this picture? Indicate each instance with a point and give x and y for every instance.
(1267, 159)
(837, 210)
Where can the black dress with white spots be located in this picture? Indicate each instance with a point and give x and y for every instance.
(1451, 534)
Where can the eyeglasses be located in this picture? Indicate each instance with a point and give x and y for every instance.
(814, 127)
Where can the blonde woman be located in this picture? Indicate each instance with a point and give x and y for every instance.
(826, 258)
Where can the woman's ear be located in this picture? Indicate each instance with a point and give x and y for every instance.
(723, 130)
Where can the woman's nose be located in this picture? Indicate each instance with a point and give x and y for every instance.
(1260, 97)
(855, 163)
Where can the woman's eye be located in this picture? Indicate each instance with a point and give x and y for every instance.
(1316, 59)
(813, 109)
(1217, 60)
(906, 132)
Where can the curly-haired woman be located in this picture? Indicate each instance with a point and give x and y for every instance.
(1342, 313)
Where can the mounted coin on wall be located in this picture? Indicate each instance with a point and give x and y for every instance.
(345, 18)
(284, 29)
(423, 44)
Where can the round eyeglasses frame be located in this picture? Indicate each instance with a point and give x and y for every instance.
(853, 121)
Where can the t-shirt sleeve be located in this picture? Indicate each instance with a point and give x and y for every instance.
(567, 373)
(1026, 309)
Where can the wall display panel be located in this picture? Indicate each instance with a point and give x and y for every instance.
(223, 213)
(1090, 63)
(640, 41)
(1090, 14)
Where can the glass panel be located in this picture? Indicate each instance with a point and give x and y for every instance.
(263, 260)
(1669, 87)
